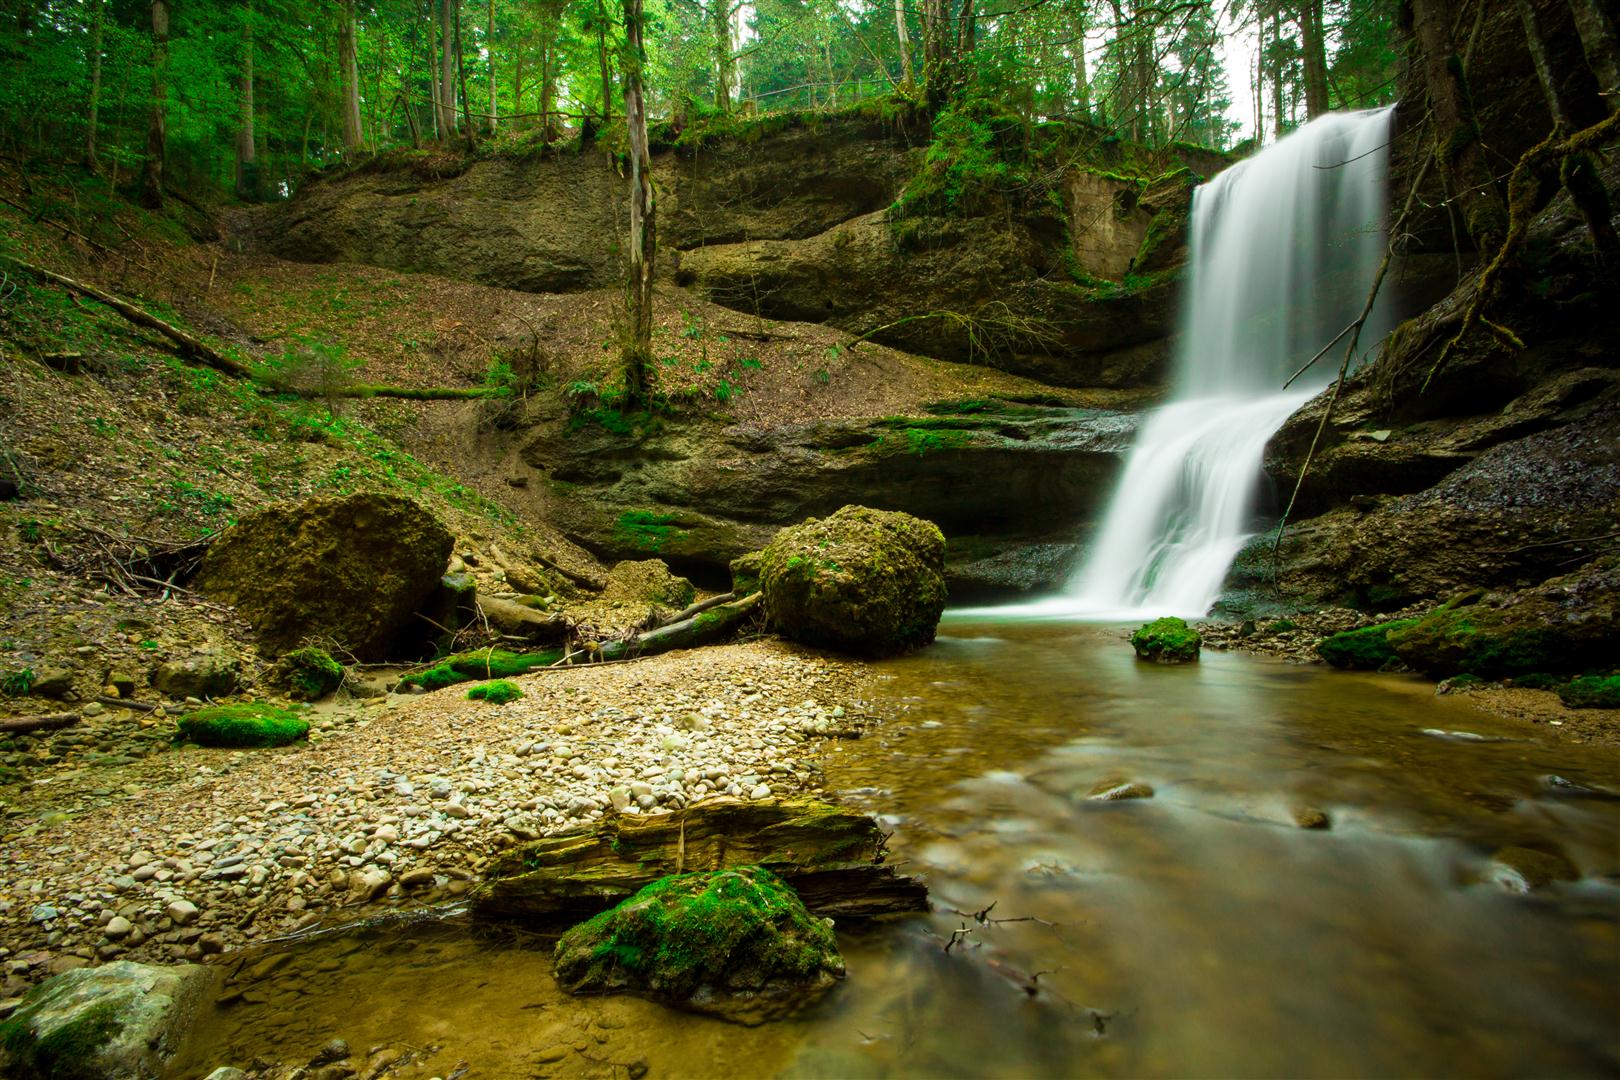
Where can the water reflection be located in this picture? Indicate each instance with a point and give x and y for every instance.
(1199, 932)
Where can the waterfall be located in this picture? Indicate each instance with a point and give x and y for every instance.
(1284, 247)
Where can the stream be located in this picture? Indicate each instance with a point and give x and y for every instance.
(1197, 932)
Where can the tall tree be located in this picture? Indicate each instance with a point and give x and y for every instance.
(637, 348)
(902, 40)
(1594, 21)
(1457, 151)
(97, 9)
(1313, 57)
(446, 92)
(247, 167)
(354, 139)
(157, 118)
(489, 45)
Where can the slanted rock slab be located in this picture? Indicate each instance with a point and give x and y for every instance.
(737, 943)
(120, 1021)
(832, 857)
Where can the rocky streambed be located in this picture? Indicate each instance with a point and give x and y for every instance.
(398, 801)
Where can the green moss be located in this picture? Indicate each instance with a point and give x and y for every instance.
(497, 692)
(1592, 692)
(1167, 641)
(1282, 626)
(646, 530)
(1366, 649)
(246, 725)
(478, 664)
(741, 928)
(66, 1053)
(1484, 641)
(1540, 680)
(311, 673)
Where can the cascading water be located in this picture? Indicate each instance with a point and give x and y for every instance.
(1284, 247)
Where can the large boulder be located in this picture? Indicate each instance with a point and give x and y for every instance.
(865, 581)
(647, 581)
(738, 943)
(120, 1021)
(203, 675)
(350, 569)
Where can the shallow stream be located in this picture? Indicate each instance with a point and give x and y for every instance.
(1199, 932)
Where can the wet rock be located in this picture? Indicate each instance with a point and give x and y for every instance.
(1526, 870)
(336, 1050)
(1571, 789)
(201, 675)
(120, 1021)
(1167, 641)
(352, 569)
(865, 581)
(1117, 789)
(737, 943)
(227, 1072)
(1310, 817)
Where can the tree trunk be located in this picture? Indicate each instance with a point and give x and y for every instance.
(643, 235)
(1315, 58)
(461, 72)
(1596, 28)
(448, 11)
(489, 43)
(602, 61)
(903, 38)
(96, 10)
(1277, 119)
(156, 133)
(247, 166)
(725, 72)
(936, 53)
(1082, 81)
(348, 62)
(1458, 153)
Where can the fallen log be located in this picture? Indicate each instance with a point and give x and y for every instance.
(39, 723)
(191, 345)
(703, 628)
(833, 858)
(407, 393)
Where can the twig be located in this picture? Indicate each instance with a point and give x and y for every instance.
(1307, 365)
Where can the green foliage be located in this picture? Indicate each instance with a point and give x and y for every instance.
(977, 153)
(1485, 642)
(498, 692)
(478, 664)
(1366, 649)
(18, 683)
(245, 725)
(1167, 641)
(1592, 692)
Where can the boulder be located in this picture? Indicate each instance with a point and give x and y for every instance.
(866, 581)
(647, 581)
(737, 943)
(202, 675)
(119, 1021)
(309, 673)
(353, 569)
(1167, 641)
(1366, 649)
(745, 573)
(245, 725)
(521, 621)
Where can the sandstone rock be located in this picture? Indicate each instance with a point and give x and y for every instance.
(201, 675)
(52, 682)
(647, 581)
(866, 581)
(353, 569)
(120, 1021)
(738, 943)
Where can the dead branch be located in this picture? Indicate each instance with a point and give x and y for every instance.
(408, 393)
(39, 723)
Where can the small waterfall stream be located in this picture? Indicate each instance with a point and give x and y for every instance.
(1284, 247)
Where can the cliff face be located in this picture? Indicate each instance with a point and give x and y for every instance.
(791, 223)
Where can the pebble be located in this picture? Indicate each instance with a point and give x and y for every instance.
(181, 912)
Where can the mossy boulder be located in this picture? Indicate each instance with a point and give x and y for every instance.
(1568, 624)
(119, 1021)
(496, 692)
(870, 582)
(647, 581)
(309, 673)
(745, 573)
(738, 943)
(1366, 649)
(1167, 641)
(352, 569)
(1591, 692)
(478, 664)
(242, 726)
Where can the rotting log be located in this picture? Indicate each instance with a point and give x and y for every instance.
(704, 628)
(833, 858)
(39, 723)
(406, 393)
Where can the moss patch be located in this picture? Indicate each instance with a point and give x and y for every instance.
(311, 673)
(1366, 649)
(478, 664)
(1167, 641)
(248, 725)
(1489, 642)
(706, 941)
(69, 1052)
(1591, 692)
(498, 692)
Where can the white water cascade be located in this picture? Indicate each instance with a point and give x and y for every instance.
(1284, 247)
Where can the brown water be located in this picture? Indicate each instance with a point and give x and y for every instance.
(1197, 933)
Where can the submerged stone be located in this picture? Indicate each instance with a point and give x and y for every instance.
(1167, 641)
(120, 1021)
(738, 943)
(870, 582)
(1118, 789)
(1525, 870)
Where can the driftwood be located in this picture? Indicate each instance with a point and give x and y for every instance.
(39, 723)
(703, 628)
(193, 346)
(833, 857)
